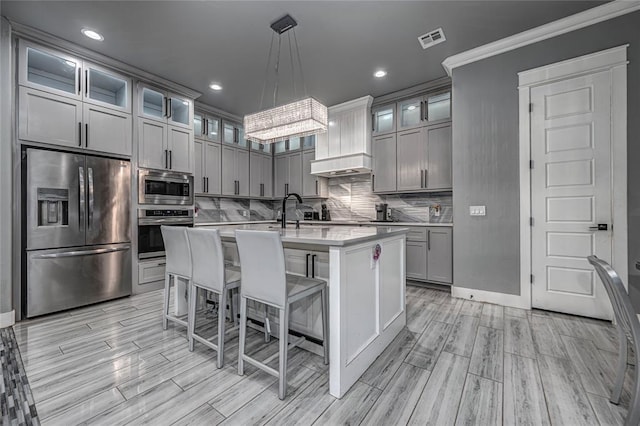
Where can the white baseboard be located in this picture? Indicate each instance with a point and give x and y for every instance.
(7, 319)
(510, 300)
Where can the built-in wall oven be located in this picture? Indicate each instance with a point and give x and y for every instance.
(169, 188)
(150, 242)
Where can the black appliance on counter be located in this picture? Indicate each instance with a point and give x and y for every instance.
(325, 214)
(312, 215)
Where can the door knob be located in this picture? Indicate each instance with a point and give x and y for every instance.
(600, 227)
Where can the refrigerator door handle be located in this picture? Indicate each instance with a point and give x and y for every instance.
(81, 199)
(77, 253)
(90, 179)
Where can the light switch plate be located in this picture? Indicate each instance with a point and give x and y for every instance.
(477, 210)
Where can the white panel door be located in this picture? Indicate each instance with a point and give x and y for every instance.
(179, 142)
(152, 144)
(212, 167)
(49, 118)
(571, 193)
(107, 130)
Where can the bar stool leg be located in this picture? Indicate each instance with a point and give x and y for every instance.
(267, 336)
(622, 367)
(325, 325)
(165, 307)
(284, 349)
(243, 332)
(222, 319)
(191, 315)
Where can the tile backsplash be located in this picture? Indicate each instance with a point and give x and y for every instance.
(350, 198)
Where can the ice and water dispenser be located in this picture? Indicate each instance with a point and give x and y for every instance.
(53, 207)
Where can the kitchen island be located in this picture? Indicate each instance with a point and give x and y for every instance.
(366, 292)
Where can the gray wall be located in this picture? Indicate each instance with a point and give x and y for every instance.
(485, 152)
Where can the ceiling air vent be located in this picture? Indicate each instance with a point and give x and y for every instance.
(431, 38)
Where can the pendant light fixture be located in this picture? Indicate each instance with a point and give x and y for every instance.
(302, 117)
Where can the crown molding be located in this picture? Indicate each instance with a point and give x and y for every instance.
(552, 29)
(33, 34)
(412, 91)
(199, 106)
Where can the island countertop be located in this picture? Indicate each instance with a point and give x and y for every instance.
(336, 235)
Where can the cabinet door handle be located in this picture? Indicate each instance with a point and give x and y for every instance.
(207, 185)
(166, 107)
(79, 81)
(204, 184)
(429, 239)
(86, 82)
(166, 158)
(316, 187)
(79, 134)
(205, 130)
(86, 135)
(373, 122)
(373, 182)
(170, 159)
(169, 112)
(421, 178)
(313, 266)
(306, 274)
(426, 177)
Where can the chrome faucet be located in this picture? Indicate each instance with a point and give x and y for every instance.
(284, 206)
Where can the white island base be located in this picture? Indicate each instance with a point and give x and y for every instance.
(367, 306)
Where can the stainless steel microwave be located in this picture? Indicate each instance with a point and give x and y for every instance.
(156, 187)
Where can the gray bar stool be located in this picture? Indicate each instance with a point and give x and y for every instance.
(264, 279)
(209, 273)
(176, 247)
(628, 331)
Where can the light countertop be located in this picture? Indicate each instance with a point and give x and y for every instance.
(330, 223)
(331, 235)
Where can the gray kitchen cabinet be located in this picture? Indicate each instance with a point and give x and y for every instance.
(158, 104)
(164, 147)
(424, 110)
(233, 134)
(107, 130)
(383, 175)
(383, 120)
(235, 171)
(180, 147)
(49, 118)
(416, 260)
(260, 175)
(439, 157)
(440, 255)
(312, 185)
(412, 159)
(288, 174)
(207, 164)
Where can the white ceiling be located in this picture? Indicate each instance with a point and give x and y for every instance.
(342, 43)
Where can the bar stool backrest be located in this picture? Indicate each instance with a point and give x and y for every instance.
(262, 267)
(207, 258)
(176, 247)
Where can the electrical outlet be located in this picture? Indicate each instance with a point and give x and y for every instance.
(477, 210)
(245, 213)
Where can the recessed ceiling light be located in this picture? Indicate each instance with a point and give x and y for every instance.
(380, 73)
(215, 86)
(92, 34)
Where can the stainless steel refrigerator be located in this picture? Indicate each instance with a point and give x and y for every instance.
(78, 230)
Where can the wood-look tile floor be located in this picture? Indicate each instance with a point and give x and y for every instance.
(457, 362)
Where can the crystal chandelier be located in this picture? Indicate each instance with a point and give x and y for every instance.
(298, 118)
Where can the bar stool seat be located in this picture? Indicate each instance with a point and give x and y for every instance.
(210, 273)
(178, 266)
(264, 279)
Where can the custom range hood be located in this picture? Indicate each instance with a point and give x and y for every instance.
(345, 149)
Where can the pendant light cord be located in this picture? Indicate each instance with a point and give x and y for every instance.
(275, 89)
(266, 72)
(304, 85)
(293, 70)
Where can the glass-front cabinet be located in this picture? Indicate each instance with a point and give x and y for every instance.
(233, 134)
(206, 127)
(48, 70)
(280, 147)
(199, 126)
(425, 110)
(439, 107)
(384, 120)
(309, 142)
(160, 105)
(107, 88)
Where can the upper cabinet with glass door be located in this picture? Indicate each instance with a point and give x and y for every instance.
(422, 111)
(206, 127)
(383, 120)
(160, 105)
(233, 134)
(106, 88)
(49, 70)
